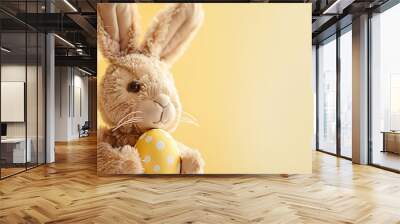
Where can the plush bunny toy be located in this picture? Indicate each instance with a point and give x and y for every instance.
(137, 92)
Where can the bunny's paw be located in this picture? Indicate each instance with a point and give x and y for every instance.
(123, 160)
(192, 162)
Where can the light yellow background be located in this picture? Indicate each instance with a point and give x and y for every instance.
(247, 79)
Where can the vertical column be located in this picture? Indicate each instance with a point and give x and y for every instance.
(315, 88)
(338, 91)
(360, 89)
(50, 92)
(92, 100)
(317, 80)
(50, 99)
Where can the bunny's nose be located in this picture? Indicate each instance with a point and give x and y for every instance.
(162, 100)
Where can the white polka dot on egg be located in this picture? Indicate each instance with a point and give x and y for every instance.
(148, 139)
(156, 168)
(147, 159)
(160, 145)
(170, 159)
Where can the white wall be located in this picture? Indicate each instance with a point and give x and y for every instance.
(70, 84)
(16, 73)
(81, 103)
(62, 81)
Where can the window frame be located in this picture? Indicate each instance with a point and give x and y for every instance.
(334, 37)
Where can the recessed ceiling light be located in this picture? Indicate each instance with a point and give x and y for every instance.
(65, 41)
(70, 5)
(84, 71)
(5, 50)
(337, 7)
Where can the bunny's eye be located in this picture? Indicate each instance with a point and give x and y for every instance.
(134, 86)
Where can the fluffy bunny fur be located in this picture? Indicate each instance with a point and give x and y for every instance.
(137, 92)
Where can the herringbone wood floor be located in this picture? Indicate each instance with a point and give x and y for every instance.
(69, 191)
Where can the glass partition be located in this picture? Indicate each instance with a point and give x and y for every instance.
(327, 96)
(13, 95)
(41, 97)
(334, 95)
(346, 93)
(31, 98)
(22, 88)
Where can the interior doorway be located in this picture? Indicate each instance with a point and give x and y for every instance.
(75, 102)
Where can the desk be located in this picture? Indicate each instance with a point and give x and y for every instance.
(13, 150)
(391, 141)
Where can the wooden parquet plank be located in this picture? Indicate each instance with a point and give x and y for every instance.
(69, 191)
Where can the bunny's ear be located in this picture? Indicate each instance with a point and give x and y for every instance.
(117, 28)
(172, 30)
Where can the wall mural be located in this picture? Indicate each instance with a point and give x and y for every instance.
(207, 88)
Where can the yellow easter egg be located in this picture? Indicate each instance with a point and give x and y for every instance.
(159, 152)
